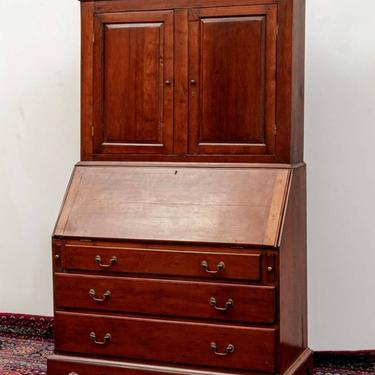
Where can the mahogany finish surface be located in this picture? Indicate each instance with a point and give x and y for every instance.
(232, 106)
(204, 205)
(166, 341)
(130, 288)
(187, 299)
(163, 261)
(133, 105)
(64, 364)
(193, 80)
(174, 252)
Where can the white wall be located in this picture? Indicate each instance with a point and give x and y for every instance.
(340, 135)
(39, 130)
(39, 127)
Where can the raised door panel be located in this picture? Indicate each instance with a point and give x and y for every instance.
(232, 80)
(133, 88)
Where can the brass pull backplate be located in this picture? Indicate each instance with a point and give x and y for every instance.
(99, 261)
(228, 304)
(220, 267)
(92, 294)
(106, 340)
(229, 349)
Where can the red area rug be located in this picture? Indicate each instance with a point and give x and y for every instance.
(344, 363)
(27, 341)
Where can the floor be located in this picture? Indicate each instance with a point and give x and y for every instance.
(26, 342)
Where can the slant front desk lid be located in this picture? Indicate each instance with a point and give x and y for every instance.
(240, 205)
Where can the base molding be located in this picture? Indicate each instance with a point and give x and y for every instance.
(63, 365)
(303, 365)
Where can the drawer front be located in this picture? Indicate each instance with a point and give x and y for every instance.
(65, 365)
(163, 262)
(204, 300)
(180, 342)
(71, 368)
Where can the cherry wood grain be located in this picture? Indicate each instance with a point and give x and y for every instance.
(64, 365)
(293, 273)
(181, 79)
(192, 85)
(170, 204)
(163, 261)
(167, 341)
(274, 130)
(134, 82)
(87, 73)
(185, 299)
(303, 365)
(232, 105)
(135, 97)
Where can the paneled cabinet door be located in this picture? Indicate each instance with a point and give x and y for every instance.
(133, 83)
(232, 75)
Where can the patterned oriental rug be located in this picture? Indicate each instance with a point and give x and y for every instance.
(27, 341)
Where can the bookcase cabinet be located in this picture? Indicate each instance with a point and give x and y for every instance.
(180, 247)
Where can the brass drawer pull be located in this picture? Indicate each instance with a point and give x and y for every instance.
(228, 304)
(112, 261)
(106, 295)
(229, 349)
(219, 267)
(106, 340)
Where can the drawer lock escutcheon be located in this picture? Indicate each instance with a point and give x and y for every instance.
(106, 295)
(229, 349)
(106, 340)
(112, 261)
(220, 267)
(228, 304)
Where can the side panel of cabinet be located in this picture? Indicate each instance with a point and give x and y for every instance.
(232, 52)
(133, 83)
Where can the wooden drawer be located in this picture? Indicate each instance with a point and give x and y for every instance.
(58, 367)
(68, 365)
(166, 341)
(72, 368)
(163, 262)
(166, 297)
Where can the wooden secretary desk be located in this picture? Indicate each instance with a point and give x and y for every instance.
(180, 247)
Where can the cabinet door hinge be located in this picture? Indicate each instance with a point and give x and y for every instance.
(277, 30)
(93, 38)
(92, 130)
(275, 129)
